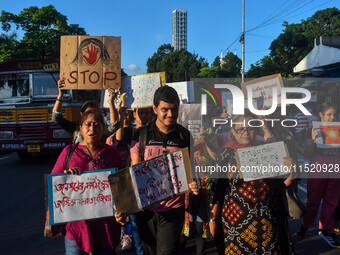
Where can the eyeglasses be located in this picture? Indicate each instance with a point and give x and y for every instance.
(242, 130)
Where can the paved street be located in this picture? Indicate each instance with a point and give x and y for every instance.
(22, 213)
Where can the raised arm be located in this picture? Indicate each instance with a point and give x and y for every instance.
(58, 103)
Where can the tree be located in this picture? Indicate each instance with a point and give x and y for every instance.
(209, 72)
(178, 65)
(231, 67)
(265, 66)
(295, 42)
(8, 43)
(42, 30)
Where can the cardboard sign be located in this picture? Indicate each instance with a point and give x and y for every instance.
(185, 91)
(263, 161)
(151, 181)
(262, 90)
(105, 100)
(140, 89)
(189, 116)
(79, 197)
(90, 62)
(328, 134)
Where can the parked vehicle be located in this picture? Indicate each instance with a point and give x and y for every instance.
(28, 90)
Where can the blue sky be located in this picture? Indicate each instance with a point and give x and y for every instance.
(212, 25)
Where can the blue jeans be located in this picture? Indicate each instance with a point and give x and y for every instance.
(135, 235)
(72, 249)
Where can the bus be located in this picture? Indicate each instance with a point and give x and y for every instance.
(28, 90)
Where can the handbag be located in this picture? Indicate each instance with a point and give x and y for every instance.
(294, 207)
(56, 230)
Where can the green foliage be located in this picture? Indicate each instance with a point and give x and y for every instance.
(209, 72)
(231, 68)
(42, 30)
(8, 43)
(295, 42)
(178, 65)
(265, 66)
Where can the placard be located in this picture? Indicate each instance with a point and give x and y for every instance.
(262, 89)
(90, 62)
(226, 95)
(105, 100)
(185, 91)
(263, 161)
(139, 90)
(189, 116)
(79, 197)
(151, 181)
(328, 134)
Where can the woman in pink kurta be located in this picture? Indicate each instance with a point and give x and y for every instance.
(98, 236)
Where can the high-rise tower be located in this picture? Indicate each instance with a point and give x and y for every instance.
(179, 29)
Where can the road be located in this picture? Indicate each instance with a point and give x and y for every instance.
(22, 213)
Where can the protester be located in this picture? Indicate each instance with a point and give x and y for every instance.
(97, 236)
(160, 225)
(250, 209)
(323, 187)
(122, 140)
(71, 127)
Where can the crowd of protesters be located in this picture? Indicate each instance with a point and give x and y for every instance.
(243, 217)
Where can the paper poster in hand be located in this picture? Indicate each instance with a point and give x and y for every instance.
(185, 91)
(189, 116)
(90, 62)
(262, 89)
(105, 100)
(328, 134)
(263, 161)
(151, 182)
(79, 197)
(139, 90)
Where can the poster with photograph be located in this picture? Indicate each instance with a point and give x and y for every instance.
(189, 116)
(328, 134)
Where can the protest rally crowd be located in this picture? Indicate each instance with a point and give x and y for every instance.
(243, 217)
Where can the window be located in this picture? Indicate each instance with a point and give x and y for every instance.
(45, 84)
(14, 86)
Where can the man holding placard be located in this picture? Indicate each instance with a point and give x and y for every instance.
(160, 225)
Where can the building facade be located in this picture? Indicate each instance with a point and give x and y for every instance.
(179, 29)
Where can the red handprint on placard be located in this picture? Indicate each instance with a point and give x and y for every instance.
(93, 52)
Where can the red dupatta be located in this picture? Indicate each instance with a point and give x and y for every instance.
(235, 145)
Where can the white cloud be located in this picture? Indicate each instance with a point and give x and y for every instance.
(133, 67)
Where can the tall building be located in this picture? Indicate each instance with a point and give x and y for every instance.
(179, 29)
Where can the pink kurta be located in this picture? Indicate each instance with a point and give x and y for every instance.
(90, 234)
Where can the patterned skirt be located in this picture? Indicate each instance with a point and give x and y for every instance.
(249, 223)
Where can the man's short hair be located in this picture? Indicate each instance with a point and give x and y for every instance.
(167, 94)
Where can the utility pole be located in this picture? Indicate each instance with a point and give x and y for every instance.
(243, 39)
